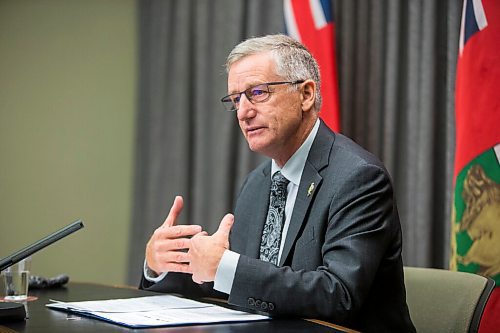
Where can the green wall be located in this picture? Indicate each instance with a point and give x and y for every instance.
(67, 111)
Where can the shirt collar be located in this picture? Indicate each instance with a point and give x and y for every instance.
(292, 170)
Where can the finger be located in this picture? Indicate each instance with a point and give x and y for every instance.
(163, 246)
(167, 245)
(196, 280)
(175, 210)
(175, 257)
(178, 231)
(176, 267)
(202, 233)
(225, 227)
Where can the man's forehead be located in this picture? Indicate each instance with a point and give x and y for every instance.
(251, 70)
(253, 62)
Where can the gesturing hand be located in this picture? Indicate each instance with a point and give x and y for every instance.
(164, 249)
(206, 251)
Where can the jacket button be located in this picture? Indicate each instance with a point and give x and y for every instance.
(263, 306)
(270, 306)
(251, 301)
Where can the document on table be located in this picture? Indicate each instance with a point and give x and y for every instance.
(152, 311)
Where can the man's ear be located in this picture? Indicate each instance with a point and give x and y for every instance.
(308, 95)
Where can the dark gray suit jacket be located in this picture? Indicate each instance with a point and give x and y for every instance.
(341, 260)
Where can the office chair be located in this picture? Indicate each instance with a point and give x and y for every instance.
(446, 301)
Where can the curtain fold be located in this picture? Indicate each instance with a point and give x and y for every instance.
(397, 67)
(186, 143)
(396, 77)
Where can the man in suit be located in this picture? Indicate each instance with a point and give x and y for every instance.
(315, 231)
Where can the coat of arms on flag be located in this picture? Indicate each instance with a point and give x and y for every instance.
(475, 235)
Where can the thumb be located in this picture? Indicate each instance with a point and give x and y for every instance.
(225, 227)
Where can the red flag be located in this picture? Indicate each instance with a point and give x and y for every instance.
(476, 202)
(311, 23)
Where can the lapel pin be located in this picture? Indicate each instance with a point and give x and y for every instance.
(310, 190)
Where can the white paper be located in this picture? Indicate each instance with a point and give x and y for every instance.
(138, 304)
(163, 310)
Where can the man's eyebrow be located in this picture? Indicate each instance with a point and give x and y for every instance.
(253, 84)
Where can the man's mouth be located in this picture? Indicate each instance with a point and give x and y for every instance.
(254, 130)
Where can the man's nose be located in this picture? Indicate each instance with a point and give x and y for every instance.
(245, 107)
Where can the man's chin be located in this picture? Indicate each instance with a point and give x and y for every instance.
(256, 147)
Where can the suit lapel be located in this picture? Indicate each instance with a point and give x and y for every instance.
(310, 182)
(260, 202)
(310, 178)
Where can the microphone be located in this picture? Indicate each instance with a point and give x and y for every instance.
(11, 311)
(37, 246)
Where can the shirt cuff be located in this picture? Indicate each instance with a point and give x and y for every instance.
(226, 271)
(152, 276)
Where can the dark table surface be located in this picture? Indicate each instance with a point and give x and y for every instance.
(43, 319)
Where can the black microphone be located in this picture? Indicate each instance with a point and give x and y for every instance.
(11, 311)
(37, 246)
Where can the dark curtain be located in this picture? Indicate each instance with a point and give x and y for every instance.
(396, 63)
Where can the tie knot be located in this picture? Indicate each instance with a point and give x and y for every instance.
(280, 180)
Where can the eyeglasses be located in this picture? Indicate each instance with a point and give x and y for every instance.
(256, 94)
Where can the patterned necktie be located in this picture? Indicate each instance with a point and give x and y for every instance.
(271, 236)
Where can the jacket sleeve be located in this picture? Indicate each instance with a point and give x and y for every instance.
(181, 283)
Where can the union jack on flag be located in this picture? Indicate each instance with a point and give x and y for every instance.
(311, 23)
(473, 20)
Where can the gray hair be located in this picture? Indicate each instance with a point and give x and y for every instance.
(293, 60)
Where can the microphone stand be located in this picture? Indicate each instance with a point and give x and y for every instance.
(13, 311)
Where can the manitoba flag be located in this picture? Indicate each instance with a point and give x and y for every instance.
(476, 203)
(311, 23)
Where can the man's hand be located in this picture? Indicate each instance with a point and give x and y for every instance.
(206, 251)
(163, 251)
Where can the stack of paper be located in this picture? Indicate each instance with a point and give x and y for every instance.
(151, 311)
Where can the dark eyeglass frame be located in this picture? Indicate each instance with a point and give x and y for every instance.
(231, 105)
